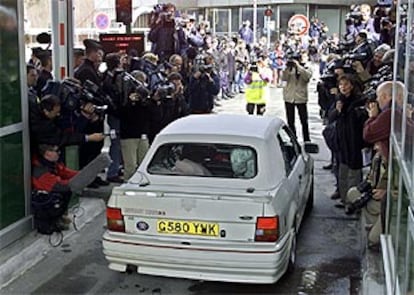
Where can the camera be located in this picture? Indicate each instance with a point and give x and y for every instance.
(73, 95)
(365, 189)
(291, 55)
(165, 90)
(201, 66)
(131, 85)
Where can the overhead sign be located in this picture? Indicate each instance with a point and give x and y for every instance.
(102, 21)
(122, 42)
(299, 24)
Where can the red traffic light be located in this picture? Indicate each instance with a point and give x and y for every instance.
(123, 11)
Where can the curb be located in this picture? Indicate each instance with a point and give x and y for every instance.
(32, 248)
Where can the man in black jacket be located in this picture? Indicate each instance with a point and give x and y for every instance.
(88, 71)
(44, 128)
(167, 39)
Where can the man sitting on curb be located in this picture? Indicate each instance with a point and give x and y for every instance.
(53, 184)
(50, 183)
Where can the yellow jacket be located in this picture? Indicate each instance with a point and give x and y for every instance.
(255, 91)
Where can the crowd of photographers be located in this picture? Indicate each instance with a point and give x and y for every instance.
(355, 94)
(189, 70)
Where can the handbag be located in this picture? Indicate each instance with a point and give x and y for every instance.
(330, 135)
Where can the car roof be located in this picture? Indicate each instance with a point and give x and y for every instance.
(223, 124)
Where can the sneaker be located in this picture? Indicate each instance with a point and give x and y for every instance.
(335, 196)
(368, 226)
(99, 181)
(66, 219)
(93, 184)
(327, 167)
(340, 204)
(115, 179)
(61, 225)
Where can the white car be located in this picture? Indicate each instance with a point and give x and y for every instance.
(217, 197)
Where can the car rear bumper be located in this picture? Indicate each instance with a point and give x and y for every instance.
(240, 263)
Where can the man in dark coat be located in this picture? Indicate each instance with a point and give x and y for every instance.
(203, 87)
(44, 128)
(88, 71)
(167, 39)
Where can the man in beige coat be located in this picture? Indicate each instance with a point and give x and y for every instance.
(295, 94)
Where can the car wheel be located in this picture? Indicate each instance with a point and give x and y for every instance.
(292, 255)
(309, 203)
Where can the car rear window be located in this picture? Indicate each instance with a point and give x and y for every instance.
(204, 160)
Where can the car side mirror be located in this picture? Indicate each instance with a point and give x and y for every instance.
(311, 148)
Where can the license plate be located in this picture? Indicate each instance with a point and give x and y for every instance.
(187, 227)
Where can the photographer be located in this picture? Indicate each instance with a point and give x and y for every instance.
(45, 130)
(167, 38)
(136, 114)
(88, 71)
(369, 195)
(110, 86)
(373, 65)
(176, 107)
(204, 85)
(168, 104)
(295, 93)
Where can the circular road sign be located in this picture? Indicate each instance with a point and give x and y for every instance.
(299, 24)
(102, 21)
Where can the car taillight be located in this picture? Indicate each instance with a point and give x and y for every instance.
(115, 219)
(267, 229)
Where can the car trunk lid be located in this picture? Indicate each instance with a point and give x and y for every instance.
(192, 215)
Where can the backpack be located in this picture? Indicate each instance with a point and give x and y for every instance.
(331, 136)
(47, 208)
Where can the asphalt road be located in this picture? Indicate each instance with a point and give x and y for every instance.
(328, 253)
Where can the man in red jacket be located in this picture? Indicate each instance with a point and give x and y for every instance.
(377, 127)
(51, 176)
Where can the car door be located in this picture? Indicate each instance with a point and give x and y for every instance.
(294, 166)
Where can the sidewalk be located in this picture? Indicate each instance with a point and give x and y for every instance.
(24, 253)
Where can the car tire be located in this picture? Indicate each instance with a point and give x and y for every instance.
(292, 254)
(309, 203)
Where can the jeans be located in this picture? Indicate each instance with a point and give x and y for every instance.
(303, 116)
(115, 148)
(239, 80)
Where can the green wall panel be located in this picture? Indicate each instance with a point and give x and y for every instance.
(12, 198)
(10, 102)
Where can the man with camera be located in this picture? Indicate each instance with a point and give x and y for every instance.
(204, 85)
(369, 195)
(44, 128)
(295, 93)
(167, 38)
(376, 131)
(88, 71)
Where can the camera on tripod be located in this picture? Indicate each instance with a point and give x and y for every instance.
(365, 189)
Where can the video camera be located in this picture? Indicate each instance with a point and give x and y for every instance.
(73, 95)
(160, 12)
(354, 16)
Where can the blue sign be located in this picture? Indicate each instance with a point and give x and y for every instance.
(102, 21)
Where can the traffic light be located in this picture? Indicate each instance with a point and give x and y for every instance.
(123, 11)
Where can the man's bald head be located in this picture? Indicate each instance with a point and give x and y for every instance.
(384, 93)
